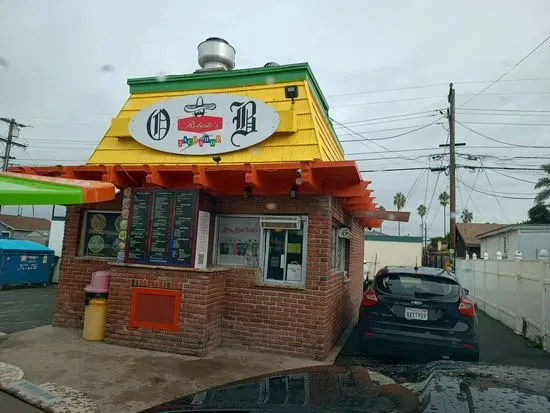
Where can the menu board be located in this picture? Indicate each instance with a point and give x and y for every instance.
(182, 234)
(162, 226)
(139, 227)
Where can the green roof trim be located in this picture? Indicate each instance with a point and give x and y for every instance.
(392, 238)
(236, 78)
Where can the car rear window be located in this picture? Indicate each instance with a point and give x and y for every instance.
(416, 286)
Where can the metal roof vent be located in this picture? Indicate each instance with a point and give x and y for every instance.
(216, 54)
(271, 64)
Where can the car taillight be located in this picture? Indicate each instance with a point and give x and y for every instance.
(369, 298)
(466, 307)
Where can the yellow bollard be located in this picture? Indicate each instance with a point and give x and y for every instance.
(95, 318)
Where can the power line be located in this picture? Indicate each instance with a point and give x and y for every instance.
(389, 137)
(360, 141)
(506, 110)
(493, 194)
(514, 177)
(429, 149)
(506, 72)
(503, 114)
(470, 195)
(499, 141)
(394, 116)
(380, 130)
(366, 92)
(507, 123)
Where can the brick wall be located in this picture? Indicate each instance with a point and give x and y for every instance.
(75, 272)
(199, 316)
(344, 297)
(229, 307)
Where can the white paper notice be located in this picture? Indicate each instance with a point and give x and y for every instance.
(203, 231)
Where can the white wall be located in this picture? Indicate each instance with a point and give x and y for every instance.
(57, 231)
(528, 241)
(513, 292)
(495, 243)
(391, 253)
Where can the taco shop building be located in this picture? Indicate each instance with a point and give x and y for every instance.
(238, 221)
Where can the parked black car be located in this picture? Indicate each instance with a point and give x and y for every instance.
(436, 387)
(416, 311)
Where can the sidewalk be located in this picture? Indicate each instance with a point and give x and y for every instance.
(123, 379)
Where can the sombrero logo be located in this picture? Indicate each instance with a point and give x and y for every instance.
(158, 124)
(200, 122)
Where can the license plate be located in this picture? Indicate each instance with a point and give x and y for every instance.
(416, 314)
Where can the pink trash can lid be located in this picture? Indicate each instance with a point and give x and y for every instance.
(100, 282)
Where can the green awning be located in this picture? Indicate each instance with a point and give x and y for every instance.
(24, 189)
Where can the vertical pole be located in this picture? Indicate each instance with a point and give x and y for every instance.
(8, 143)
(452, 167)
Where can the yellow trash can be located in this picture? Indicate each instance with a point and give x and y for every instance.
(95, 318)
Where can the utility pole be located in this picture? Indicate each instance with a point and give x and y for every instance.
(13, 132)
(452, 167)
(9, 142)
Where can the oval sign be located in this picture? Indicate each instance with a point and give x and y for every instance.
(206, 124)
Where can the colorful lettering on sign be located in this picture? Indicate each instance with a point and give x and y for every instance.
(207, 140)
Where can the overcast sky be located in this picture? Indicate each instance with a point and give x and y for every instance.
(64, 65)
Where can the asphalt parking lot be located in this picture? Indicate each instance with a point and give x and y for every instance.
(24, 308)
(498, 344)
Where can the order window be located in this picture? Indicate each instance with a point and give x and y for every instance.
(284, 249)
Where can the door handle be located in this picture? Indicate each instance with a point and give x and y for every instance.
(282, 261)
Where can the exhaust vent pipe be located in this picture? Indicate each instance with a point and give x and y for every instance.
(215, 54)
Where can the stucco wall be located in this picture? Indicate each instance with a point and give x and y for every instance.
(391, 253)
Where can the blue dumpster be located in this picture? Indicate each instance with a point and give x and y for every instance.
(24, 262)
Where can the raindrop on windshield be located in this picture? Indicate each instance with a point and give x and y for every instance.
(161, 77)
(3, 63)
(269, 80)
(271, 205)
(391, 217)
(107, 68)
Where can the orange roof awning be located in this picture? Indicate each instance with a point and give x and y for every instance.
(340, 179)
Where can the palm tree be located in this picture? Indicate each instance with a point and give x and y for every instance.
(444, 201)
(543, 183)
(399, 201)
(467, 216)
(422, 210)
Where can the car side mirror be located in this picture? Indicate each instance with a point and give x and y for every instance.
(466, 291)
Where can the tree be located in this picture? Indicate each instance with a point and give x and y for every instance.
(544, 184)
(539, 214)
(467, 216)
(399, 201)
(422, 210)
(444, 201)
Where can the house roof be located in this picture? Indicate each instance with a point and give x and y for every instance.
(469, 232)
(514, 227)
(392, 238)
(20, 223)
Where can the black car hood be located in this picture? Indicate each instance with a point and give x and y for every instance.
(434, 387)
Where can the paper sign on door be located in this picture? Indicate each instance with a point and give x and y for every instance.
(294, 271)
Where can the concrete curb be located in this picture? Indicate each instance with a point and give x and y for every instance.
(331, 358)
(50, 397)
